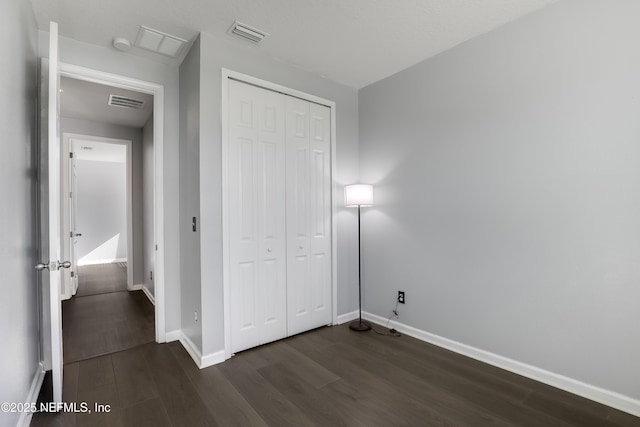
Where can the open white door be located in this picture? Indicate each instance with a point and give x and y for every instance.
(73, 209)
(50, 213)
(54, 213)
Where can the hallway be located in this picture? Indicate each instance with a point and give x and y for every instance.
(103, 317)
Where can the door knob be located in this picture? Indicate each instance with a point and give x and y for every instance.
(53, 265)
(41, 266)
(78, 234)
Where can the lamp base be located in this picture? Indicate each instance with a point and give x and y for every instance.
(360, 326)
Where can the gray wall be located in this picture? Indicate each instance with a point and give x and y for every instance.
(106, 130)
(190, 193)
(19, 303)
(148, 245)
(102, 210)
(236, 55)
(507, 184)
(112, 61)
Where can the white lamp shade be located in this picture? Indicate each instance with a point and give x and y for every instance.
(358, 195)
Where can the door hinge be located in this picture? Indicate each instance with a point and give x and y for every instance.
(73, 274)
(156, 247)
(71, 234)
(71, 155)
(70, 195)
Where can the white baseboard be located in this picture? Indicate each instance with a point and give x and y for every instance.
(201, 361)
(32, 396)
(212, 359)
(606, 397)
(147, 292)
(100, 261)
(172, 336)
(348, 317)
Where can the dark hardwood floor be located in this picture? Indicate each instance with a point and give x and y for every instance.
(103, 317)
(328, 377)
(101, 279)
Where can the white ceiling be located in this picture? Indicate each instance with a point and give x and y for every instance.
(354, 42)
(88, 101)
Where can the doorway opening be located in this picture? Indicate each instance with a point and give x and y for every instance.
(107, 218)
(150, 276)
(97, 217)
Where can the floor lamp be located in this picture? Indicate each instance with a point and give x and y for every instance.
(359, 195)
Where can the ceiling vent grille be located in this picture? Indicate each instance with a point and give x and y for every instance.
(246, 32)
(123, 101)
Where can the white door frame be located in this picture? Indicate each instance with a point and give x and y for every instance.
(157, 90)
(67, 138)
(229, 74)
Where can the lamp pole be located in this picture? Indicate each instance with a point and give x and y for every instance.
(359, 325)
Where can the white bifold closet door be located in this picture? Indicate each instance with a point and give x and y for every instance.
(257, 234)
(308, 215)
(279, 206)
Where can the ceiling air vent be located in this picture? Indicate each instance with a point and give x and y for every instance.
(123, 101)
(246, 32)
(159, 42)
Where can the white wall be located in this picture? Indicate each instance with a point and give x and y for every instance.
(19, 362)
(112, 61)
(236, 55)
(148, 245)
(190, 194)
(102, 211)
(507, 192)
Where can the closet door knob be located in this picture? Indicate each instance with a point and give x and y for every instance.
(301, 247)
(269, 250)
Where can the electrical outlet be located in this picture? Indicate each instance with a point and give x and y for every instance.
(401, 297)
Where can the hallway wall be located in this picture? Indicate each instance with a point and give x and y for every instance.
(148, 226)
(18, 239)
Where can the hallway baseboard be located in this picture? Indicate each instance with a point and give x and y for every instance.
(147, 292)
(200, 360)
(32, 396)
(172, 336)
(101, 261)
(143, 288)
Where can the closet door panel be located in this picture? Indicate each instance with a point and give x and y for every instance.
(299, 286)
(257, 234)
(243, 241)
(271, 215)
(320, 213)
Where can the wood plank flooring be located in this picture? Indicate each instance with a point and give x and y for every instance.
(101, 279)
(103, 320)
(328, 377)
